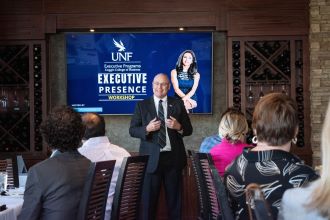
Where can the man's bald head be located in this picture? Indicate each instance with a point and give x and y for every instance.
(95, 125)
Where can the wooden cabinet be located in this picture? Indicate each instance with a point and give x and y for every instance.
(22, 97)
(261, 65)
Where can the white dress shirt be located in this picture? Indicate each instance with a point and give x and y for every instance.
(156, 100)
(100, 149)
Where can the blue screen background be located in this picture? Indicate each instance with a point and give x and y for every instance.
(86, 54)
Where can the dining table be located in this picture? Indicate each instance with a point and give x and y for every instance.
(13, 199)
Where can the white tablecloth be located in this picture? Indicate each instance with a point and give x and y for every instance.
(14, 204)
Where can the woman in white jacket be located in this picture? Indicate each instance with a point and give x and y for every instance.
(312, 201)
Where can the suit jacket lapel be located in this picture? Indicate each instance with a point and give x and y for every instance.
(170, 106)
(151, 106)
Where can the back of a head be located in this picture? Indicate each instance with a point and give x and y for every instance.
(275, 119)
(63, 129)
(233, 125)
(325, 146)
(95, 125)
(320, 199)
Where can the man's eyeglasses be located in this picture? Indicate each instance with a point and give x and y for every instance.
(160, 84)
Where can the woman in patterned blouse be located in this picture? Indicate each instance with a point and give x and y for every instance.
(270, 164)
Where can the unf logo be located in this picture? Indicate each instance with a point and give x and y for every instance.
(120, 55)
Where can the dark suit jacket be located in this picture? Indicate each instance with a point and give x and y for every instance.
(54, 187)
(145, 111)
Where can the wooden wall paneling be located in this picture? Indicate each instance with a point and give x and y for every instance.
(19, 27)
(50, 24)
(21, 7)
(124, 6)
(136, 20)
(222, 16)
(266, 22)
(278, 4)
(272, 17)
(32, 19)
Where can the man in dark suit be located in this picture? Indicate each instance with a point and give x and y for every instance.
(167, 156)
(54, 186)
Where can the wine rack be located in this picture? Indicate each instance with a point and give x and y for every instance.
(259, 66)
(21, 101)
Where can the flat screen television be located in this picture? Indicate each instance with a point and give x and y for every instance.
(108, 73)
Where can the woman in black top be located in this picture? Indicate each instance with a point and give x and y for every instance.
(269, 164)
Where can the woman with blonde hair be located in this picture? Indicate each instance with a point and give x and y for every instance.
(312, 201)
(232, 129)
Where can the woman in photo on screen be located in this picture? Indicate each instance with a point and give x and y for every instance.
(185, 79)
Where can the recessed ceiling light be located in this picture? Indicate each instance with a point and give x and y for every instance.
(91, 30)
(181, 29)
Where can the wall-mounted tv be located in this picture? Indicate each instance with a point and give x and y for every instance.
(109, 72)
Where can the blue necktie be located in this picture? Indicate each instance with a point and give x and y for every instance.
(162, 131)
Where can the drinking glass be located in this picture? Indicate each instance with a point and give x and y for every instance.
(250, 95)
(261, 94)
(3, 181)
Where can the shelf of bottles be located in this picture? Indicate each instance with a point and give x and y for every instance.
(17, 95)
(37, 68)
(14, 99)
(265, 67)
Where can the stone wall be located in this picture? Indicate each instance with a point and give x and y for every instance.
(319, 69)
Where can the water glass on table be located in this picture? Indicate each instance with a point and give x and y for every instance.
(3, 181)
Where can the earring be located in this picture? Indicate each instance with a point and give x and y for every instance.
(294, 140)
(255, 140)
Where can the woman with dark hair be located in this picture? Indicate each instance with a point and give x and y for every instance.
(270, 163)
(54, 186)
(185, 79)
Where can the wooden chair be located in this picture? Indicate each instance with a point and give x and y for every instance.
(213, 197)
(257, 205)
(126, 202)
(95, 193)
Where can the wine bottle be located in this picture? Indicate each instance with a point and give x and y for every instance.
(236, 73)
(236, 45)
(236, 82)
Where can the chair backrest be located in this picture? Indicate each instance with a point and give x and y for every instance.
(204, 204)
(126, 202)
(95, 194)
(221, 191)
(257, 205)
(9, 165)
(212, 193)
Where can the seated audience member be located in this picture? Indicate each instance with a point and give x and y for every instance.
(97, 147)
(313, 201)
(54, 186)
(232, 129)
(269, 163)
(209, 142)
